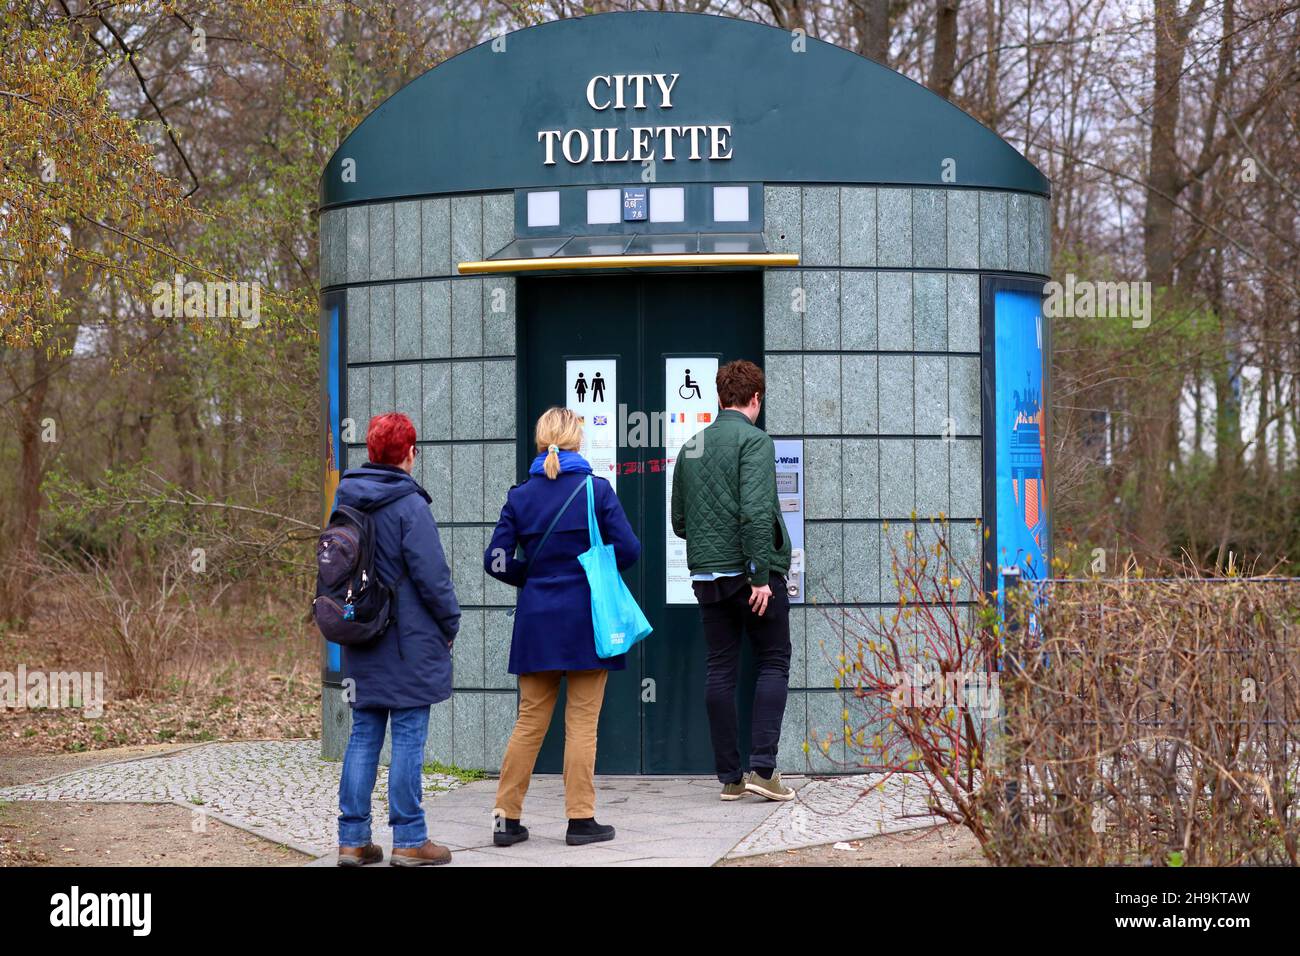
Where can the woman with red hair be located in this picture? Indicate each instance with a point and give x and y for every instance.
(397, 677)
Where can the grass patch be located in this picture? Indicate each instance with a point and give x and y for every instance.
(460, 773)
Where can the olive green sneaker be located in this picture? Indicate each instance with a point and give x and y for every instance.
(734, 791)
(770, 787)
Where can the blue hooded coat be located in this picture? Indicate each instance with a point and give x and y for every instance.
(410, 665)
(553, 629)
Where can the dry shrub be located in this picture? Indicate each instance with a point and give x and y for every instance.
(1119, 721)
(920, 677)
(140, 615)
(155, 576)
(1149, 722)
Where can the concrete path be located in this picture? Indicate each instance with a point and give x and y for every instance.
(660, 821)
(284, 792)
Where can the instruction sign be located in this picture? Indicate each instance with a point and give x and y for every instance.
(789, 492)
(690, 406)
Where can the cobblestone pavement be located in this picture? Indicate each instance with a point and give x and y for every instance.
(279, 789)
(831, 809)
(285, 792)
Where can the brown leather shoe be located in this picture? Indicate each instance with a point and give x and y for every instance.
(431, 854)
(360, 855)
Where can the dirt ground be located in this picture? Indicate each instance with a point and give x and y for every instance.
(127, 834)
(939, 846)
(41, 833)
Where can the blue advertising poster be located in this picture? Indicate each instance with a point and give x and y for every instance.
(333, 444)
(1020, 426)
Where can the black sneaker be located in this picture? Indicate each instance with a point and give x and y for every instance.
(586, 831)
(507, 832)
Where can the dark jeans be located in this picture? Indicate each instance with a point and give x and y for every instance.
(724, 609)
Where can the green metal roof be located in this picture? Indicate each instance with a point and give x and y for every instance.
(823, 115)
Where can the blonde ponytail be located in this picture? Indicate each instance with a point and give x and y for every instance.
(558, 429)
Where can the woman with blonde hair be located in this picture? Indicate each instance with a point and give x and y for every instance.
(546, 517)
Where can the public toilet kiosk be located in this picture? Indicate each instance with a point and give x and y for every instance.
(597, 212)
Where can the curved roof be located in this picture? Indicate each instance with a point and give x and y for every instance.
(825, 115)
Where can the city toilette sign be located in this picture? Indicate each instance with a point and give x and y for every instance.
(635, 144)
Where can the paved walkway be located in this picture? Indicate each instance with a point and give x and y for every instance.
(285, 792)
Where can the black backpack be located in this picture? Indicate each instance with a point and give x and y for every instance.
(352, 605)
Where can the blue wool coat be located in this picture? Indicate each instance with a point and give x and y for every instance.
(553, 629)
(410, 665)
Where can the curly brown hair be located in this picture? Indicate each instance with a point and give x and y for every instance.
(737, 383)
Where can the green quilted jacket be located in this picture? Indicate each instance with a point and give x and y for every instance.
(725, 503)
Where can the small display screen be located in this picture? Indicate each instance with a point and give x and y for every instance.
(787, 483)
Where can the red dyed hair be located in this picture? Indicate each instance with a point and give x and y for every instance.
(389, 438)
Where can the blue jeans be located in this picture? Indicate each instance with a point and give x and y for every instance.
(361, 764)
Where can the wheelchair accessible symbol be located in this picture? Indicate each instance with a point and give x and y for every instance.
(690, 388)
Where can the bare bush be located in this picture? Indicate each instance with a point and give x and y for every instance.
(1119, 721)
(141, 617)
(921, 676)
(1150, 722)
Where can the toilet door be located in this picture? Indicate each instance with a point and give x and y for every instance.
(630, 333)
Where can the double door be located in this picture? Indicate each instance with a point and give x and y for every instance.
(635, 354)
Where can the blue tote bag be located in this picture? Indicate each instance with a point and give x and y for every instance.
(615, 616)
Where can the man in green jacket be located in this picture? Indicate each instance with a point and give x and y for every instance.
(725, 505)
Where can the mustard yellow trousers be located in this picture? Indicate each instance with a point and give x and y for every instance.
(537, 695)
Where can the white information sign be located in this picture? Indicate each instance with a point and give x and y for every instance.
(690, 405)
(592, 386)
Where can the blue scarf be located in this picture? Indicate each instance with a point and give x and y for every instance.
(569, 461)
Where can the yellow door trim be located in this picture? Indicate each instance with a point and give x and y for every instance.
(690, 260)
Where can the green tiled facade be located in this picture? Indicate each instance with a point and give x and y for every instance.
(440, 348)
(873, 359)
(872, 351)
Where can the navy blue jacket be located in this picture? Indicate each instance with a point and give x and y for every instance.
(553, 629)
(410, 665)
